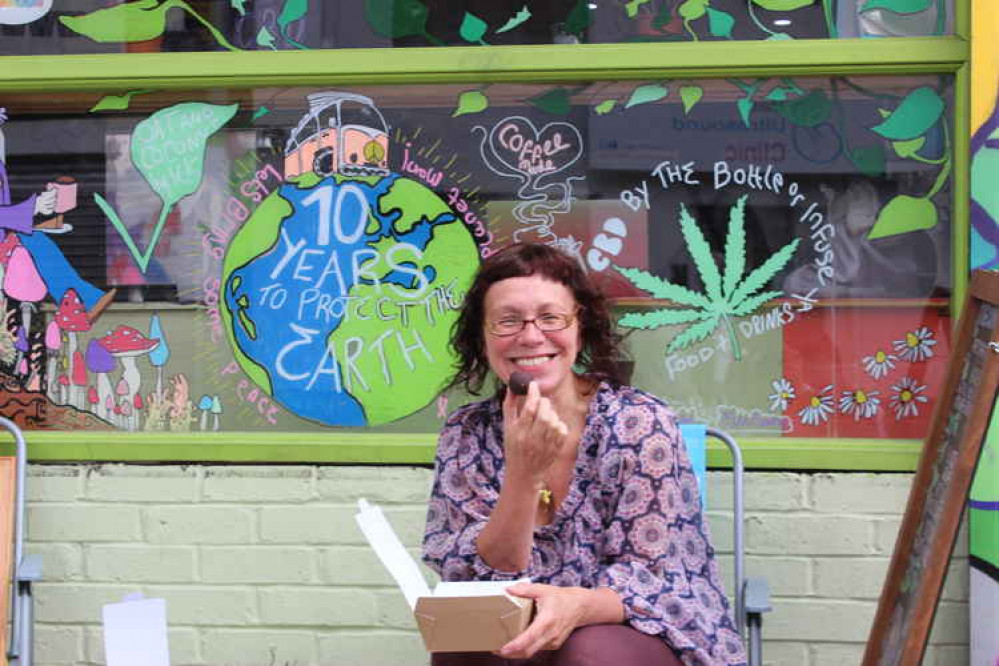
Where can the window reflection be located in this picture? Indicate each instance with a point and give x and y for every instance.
(92, 26)
(778, 250)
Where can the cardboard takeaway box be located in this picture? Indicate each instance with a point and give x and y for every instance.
(476, 616)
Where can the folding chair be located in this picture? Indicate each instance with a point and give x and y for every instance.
(751, 595)
(24, 569)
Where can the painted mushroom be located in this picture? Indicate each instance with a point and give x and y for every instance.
(23, 282)
(121, 390)
(205, 405)
(53, 343)
(126, 344)
(78, 379)
(101, 363)
(216, 411)
(159, 356)
(63, 388)
(72, 318)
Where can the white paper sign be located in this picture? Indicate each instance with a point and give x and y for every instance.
(135, 633)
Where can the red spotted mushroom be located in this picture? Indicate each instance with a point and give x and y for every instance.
(72, 318)
(126, 344)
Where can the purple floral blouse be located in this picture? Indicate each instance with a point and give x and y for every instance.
(631, 520)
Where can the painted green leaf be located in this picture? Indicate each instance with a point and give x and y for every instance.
(518, 18)
(396, 18)
(471, 101)
(660, 288)
(749, 305)
(745, 106)
(690, 95)
(292, 11)
(239, 6)
(472, 28)
(180, 174)
(554, 101)
(778, 94)
(783, 5)
(807, 111)
(692, 334)
(778, 37)
(917, 113)
(168, 149)
(902, 215)
(605, 106)
(137, 21)
(650, 92)
(720, 23)
(700, 252)
(664, 317)
(735, 247)
(116, 102)
(762, 275)
(578, 19)
(691, 10)
(130, 22)
(631, 8)
(897, 6)
(265, 38)
(260, 113)
(869, 159)
(910, 148)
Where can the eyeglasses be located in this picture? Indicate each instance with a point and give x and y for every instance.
(548, 322)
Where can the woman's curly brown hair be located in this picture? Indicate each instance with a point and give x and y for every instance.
(599, 353)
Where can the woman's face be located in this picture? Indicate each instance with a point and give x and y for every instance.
(547, 357)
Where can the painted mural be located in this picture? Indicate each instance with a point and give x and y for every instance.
(983, 504)
(294, 260)
(235, 25)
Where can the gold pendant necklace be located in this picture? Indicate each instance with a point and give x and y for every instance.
(545, 495)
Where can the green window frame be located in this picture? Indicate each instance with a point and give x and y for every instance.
(536, 64)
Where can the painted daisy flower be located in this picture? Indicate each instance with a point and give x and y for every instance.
(862, 404)
(878, 365)
(917, 345)
(783, 393)
(905, 398)
(819, 407)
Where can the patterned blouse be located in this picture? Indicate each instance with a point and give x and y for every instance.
(631, 520)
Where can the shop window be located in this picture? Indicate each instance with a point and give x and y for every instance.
(777, 249)
(36, 27)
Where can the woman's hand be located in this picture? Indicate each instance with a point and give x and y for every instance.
(533, 434)
(558, 610)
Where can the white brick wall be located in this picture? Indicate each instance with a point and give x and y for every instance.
(263, 565)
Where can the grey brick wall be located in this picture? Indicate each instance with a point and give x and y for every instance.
(263, 565)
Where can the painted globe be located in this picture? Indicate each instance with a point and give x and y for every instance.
(339, 295)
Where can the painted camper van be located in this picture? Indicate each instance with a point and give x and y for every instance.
(342, 133)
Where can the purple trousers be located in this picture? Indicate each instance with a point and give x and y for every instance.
(595, 645)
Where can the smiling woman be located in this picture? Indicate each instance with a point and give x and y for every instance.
(531, 486)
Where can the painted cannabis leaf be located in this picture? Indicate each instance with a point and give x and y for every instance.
(726, 294)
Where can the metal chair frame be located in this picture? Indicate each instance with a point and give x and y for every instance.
(26, 569)
(752, 595)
